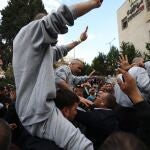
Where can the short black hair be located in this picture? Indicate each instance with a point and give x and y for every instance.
(111, 101)
(65, 98)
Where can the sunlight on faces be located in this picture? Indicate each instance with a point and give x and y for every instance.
(76, 68)
(100, 100)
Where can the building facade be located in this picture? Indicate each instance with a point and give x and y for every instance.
(133, 19)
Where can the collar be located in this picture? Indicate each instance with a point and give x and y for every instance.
(102, 109)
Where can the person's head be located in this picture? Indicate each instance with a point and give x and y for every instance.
(139, 61)
(92, 91)
(122, 141)
(76, 66)
(13, 94)
(109, 87)
(105, 100)
(67, 102)
(5, 135)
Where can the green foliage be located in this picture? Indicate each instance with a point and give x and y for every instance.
(129, 50)
(99, 64)
(147, 55)
(9, 75)
(14, 16)
(17, 14)
(112, 59)
(6, 55)
(87, 69)
(106, 64)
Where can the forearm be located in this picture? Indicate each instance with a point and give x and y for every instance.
(136, 97)
(63, 85)
(85, 7)
(73, 44)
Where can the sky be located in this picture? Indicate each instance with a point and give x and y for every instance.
(102, 24)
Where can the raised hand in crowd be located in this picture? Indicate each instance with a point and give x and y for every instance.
(84, 35)
(129, 87)
(124, 63)
(86, 102)
(93, 71)
(82, 38)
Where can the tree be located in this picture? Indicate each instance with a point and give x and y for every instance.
(129, 50)
(147, 55)
(99, 64)
(14, 16)
(9, 75)
(112, 59)
(87, 69)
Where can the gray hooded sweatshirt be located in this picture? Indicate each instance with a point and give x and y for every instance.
(33, 58)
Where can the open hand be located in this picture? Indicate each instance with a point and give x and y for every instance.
(84, 35)
(86, 102)
(123, 63)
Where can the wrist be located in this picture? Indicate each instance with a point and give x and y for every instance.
(77, 42)
(136, 97)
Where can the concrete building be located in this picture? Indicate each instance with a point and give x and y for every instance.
(134, 23)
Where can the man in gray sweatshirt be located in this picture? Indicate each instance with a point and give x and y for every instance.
(33, 59)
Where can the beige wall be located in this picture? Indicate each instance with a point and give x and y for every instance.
(138, 30)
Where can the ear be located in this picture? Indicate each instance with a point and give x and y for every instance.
(65, 112)
(102, 103)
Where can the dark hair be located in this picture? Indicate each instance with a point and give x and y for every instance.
(5, 135)
(123, 141)
(65, 98)
(111, 100)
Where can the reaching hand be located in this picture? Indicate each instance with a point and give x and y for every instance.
(92, 72)
(123, 63)
(85, 101)
(129, 87)
(84, 35)
(97, 3)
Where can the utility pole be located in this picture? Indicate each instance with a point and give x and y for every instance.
(109, 43)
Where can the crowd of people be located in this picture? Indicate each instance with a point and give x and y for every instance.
(55, 109)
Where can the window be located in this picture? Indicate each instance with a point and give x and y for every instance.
(148, 5)
(124, 23)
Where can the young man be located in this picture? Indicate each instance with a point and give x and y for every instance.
(101, 121)
(67, 101)
(35, 81)
(66, 75)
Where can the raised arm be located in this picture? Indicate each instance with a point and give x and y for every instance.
(85, 7)
(61, 51)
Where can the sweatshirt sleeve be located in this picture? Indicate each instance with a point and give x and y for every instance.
(143, 80)
(59, 52)
(79, 79)
(46, 30)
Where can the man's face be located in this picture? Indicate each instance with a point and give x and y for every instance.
(70, 112)
(76, 68)
(101, 95)
(109, 87)
(101, 99)
(141, 62)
